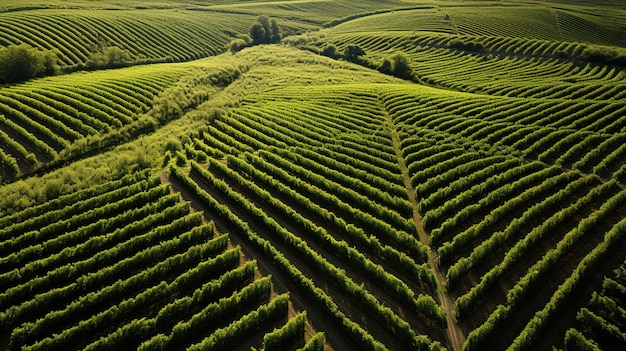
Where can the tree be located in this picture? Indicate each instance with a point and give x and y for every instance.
(275, 37)
(257, 33)
(386, 66)
(353, 53)
(401, 66)
(330, 51)
(265, 22)
(398, 65)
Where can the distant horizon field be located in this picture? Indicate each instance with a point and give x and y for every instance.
(312, 175)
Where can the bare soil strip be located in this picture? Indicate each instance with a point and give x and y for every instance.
(456, 336)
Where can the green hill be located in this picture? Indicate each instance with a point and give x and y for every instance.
(394, 175)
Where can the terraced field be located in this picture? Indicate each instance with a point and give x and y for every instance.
(278, 199)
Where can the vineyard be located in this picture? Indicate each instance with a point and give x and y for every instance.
(392, 175)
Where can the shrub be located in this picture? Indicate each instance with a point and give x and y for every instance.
(22, 62)
(603, 54)
(263, 31)
(353, 53)
(465, 45)
(108, 57)
(242, 41)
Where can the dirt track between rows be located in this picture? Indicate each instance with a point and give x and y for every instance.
(456, 337)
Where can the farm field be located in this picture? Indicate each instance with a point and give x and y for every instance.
(387, 175)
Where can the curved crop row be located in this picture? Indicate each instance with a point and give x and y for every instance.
(43, 118)
(147, 35)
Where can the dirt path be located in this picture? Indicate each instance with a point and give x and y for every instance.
(454, 331)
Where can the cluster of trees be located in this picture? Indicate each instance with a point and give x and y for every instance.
(263, 31)
(22, 62)
(604, 54)
(397, 65)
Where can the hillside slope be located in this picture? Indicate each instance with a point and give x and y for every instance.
(477, 202)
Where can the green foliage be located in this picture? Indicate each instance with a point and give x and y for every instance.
(300, 146)
(398, 65)
(23, 62)
(604, 54)
(241, 42)
(331, 51)
(263, 31)
(467, 45)
(108, 57)
(353, 53)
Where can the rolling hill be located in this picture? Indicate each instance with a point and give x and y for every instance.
(458, 183)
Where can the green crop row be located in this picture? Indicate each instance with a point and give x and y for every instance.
(57, 203)
(28, 298)
(66, 213)
(489, 200)
(496, 239)
(20, 263)
(222, 338)
(558, 302)
(318, 176)
(341, 249)
(424, 303)
(146, 36)
(396, 257)
(463, 198)
(600, 322)
(524, 285)
(330, 201)
(361, 336)
(209, 297)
